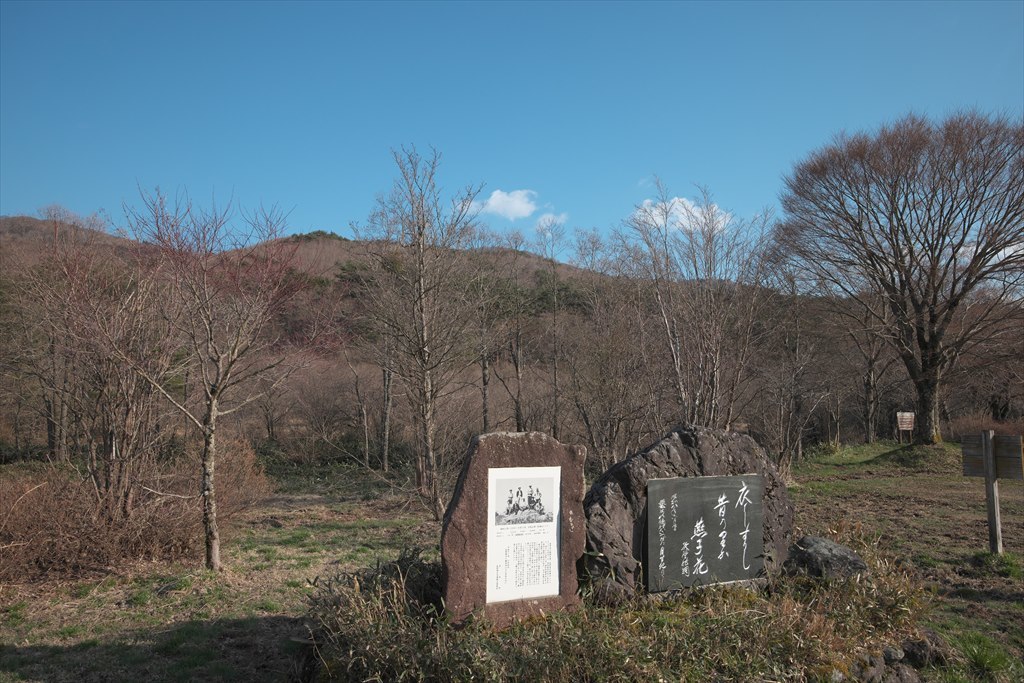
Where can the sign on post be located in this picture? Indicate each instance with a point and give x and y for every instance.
(993, 457)
(703, 530)
(1006, 451)
(904, 423)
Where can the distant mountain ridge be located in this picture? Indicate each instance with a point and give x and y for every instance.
(25, 241)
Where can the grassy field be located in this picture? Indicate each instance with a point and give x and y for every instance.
(178, 622)
(924, 510)
(181, 623)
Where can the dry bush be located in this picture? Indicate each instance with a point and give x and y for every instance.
(384, 624)
(241, 481)
(973, 424)
(53, 523)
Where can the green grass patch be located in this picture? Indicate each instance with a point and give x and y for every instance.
(1007, 565)
(296, 538)
(268, 553)
(15, 615)
(985, 659)
(267, 605)
(71, 631)
(82, 590)
(140, 598)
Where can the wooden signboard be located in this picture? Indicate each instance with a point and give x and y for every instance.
(993, 457)
(905, 422)
(1006, 450)
(703, 530)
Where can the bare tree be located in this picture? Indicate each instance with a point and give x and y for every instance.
(706, 275)
(550, 234)
(101, 417)
(223, 287)
(789, 389)
(868, 354)
(418, 294)
(517, 307)
(930, 219)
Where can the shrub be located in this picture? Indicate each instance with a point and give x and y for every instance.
(385, 624)
(53, 522)
(975, 423)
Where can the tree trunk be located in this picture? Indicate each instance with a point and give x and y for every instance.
(927, 418)
(555, 408)
(485, 380)
(517, 363)
(366, 434)
(385, 428)
(870, 404)
(211, 532)
(431, 487)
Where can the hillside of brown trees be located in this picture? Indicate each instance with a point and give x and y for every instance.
(190, 325)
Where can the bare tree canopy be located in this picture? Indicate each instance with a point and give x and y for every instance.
(419, 300)
(224, 284)
(707, 274)
(922, 225)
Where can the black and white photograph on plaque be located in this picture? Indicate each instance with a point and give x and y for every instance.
(522, 532)
(524, 500)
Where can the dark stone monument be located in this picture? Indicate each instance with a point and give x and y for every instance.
(617, 506)
(478, 510)
(703, 530)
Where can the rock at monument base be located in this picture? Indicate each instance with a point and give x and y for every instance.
(930, 650)
(901, 673)
(464, 534)
(823, 559)
(616, 505)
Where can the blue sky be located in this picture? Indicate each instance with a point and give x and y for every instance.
(566, 109)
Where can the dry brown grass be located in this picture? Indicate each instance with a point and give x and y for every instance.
(971, 425)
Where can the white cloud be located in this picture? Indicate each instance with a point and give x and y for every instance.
(510, 205)
(683, 214)
(552, 218)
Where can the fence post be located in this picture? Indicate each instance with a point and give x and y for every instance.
(995, 533)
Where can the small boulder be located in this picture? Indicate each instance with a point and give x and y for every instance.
(930, 649)
(868, 669)
(900, 673)
(824, 559)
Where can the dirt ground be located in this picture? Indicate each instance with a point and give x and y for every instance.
(926, 512)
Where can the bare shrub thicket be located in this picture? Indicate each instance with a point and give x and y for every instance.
(53, 524)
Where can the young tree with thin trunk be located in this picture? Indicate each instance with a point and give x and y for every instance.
(550, 234)
(224, 284)
(518, 306)
(928, 217)
(418, 295)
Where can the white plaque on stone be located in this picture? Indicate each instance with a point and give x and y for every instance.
(523, 521)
